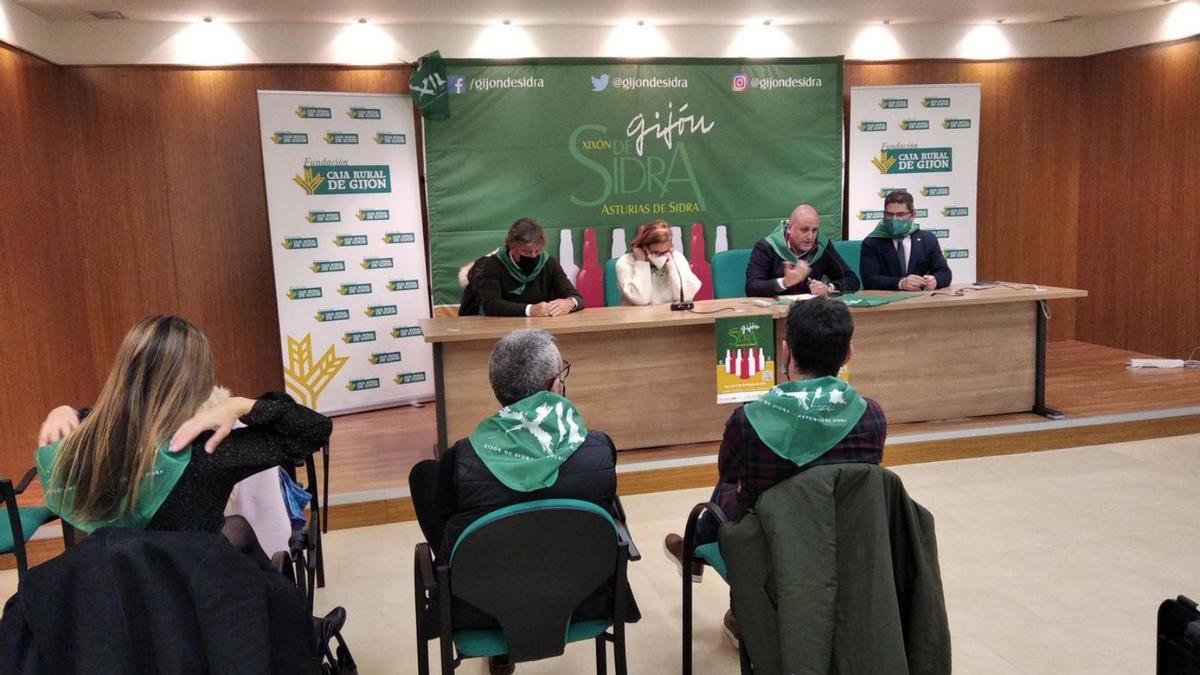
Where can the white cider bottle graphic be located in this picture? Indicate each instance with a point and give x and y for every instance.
(762, 360)
(751, 362)
(728, 362)
(618, 245)
(566, 255)
(677, 238)
(721, 242)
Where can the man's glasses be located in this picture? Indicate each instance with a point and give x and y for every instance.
(888, 215)
(562, 375)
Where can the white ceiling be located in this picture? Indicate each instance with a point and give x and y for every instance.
(574, 12)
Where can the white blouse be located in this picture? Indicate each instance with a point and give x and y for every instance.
(640, 286)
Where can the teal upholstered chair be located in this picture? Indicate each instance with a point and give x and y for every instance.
(500, 565)
(612, 291)
(22, 522)
(729, 273)
(851, 252)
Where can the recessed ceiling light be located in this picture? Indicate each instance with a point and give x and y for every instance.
(107, 15)
(766, 22)
(363, 20)
(999, 20)
(207, 19)
(887, 22)
(641, 22)
(507, 22)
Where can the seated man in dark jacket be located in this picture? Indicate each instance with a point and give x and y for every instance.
(535, 447)
(518, 454)
(521, 279)
(793, 259)
(808, 421)
(898, 255)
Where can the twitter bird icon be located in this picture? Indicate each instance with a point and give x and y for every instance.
(600, 83)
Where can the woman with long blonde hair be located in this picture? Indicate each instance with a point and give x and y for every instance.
(158, 450)
(653, 272)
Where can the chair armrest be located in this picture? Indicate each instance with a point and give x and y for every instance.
(625, 539)
(26, 480)
(423, 565)
(689, 532)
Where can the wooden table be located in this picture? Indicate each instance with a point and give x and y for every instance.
(645, 375)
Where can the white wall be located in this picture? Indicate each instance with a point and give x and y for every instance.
(125, 42)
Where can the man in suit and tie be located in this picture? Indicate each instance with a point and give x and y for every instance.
(898, 255)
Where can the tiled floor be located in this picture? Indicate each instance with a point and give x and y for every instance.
(1052, 562)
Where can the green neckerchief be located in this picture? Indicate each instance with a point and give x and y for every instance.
(156, 485)
(778, 241)
(516, 273)
(887, 229)
(802, 420)
(524, 444)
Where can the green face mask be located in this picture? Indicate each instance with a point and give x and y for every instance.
(894, 228)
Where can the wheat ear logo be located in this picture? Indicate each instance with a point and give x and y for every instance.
(309, 181)
(305, 379)
(884, 162)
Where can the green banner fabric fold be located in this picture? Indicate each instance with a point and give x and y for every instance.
(428, 87)
(608, 144)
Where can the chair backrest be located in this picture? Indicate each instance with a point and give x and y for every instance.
(612, 292)
(548, 554)
(851, 252)
(729, 273)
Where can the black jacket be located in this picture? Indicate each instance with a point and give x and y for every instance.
(495, 283)
(131, 601)
(766, 266)
(881, 269)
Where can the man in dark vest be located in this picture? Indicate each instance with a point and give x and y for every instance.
(520, 279)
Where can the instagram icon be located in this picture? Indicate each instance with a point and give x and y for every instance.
(740, 82)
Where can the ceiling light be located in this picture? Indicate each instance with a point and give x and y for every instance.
(207, 19)
(766, 22)
(887, 22)
(507, 22)
(999, 20)
(641, 22)
(363, 20)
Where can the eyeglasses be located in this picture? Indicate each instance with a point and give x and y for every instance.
(888, 215)
(663, 252)
(561, 376)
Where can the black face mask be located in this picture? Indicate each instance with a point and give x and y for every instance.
(527, 264)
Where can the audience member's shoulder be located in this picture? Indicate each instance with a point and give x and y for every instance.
(491, 265)
(874, 411)
(764, 246)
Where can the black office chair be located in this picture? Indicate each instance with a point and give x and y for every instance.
(709, 555)
(23, 522)
(502, 566)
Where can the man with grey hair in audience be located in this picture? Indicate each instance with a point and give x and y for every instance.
(535, 447)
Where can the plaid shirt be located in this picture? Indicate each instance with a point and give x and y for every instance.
(748, 468)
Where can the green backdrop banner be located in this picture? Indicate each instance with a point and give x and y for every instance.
(578, 143)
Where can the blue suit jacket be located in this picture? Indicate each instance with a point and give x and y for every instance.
(881, 270)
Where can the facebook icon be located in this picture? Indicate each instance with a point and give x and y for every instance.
(457, 84)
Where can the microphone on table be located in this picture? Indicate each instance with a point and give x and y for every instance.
(682, 305)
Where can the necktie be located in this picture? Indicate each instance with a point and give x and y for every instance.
(900, 257)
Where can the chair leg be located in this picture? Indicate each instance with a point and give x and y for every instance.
(619, 648)
(601, 655)
(325, 493)
(687, 621)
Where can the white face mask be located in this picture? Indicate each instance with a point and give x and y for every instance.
(659, 260)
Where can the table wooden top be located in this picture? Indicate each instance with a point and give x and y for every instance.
(466, 328)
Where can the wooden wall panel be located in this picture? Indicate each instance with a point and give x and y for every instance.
(1139, 235)
(1029, 138)
(45, 351)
